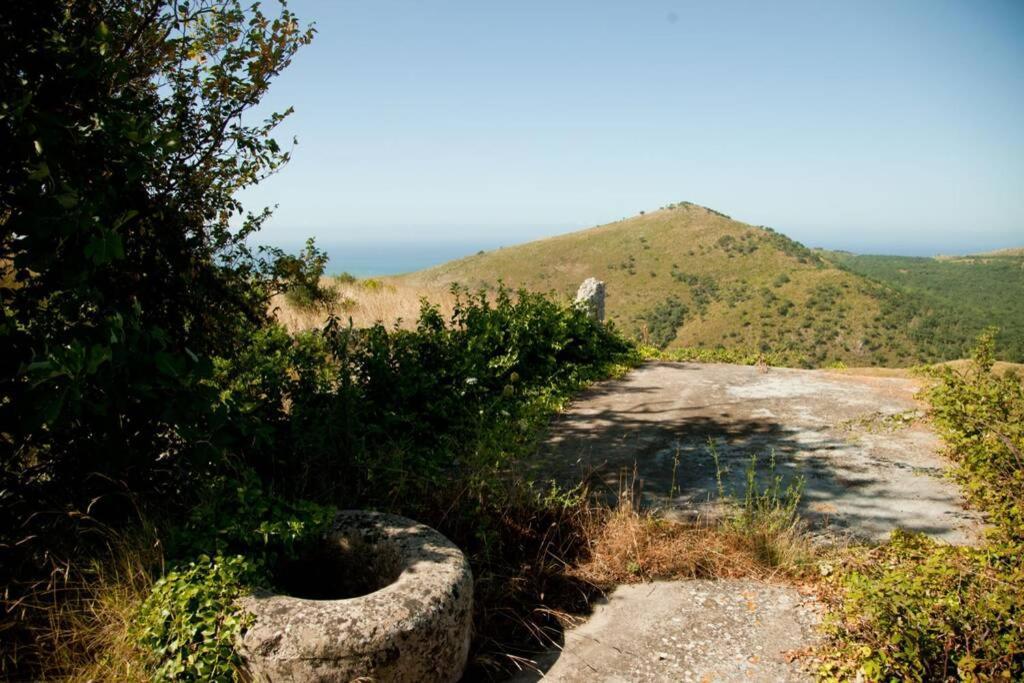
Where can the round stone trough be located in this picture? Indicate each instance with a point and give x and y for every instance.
(382, 598)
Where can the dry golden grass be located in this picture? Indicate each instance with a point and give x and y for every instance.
(628, 547)
(366, 302)
(83, 619)
(759, 536)
(1000, 367)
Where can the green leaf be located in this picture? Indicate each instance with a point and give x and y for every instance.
(40, 171)
(124, 218)
(168, 364)
(104, 248)
(98, 355)
(67, 199)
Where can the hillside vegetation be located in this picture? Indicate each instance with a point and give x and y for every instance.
(165, 445)
(970, 291)
(914, 609)
(689, 276)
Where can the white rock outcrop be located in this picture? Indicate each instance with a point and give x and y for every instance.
(590, 297)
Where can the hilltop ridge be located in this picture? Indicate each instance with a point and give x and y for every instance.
(687, 275)
(1009, 251)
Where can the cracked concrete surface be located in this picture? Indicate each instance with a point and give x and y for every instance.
(868, 462)
(692, 631)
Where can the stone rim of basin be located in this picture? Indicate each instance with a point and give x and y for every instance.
(415, 627)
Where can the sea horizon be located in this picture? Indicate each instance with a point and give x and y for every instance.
(375, 259)
(367, 258)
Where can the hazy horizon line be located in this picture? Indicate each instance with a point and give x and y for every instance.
(943, 248)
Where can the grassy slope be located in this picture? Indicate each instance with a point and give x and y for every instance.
(977, 291)
(823, 311)
(1012, 251)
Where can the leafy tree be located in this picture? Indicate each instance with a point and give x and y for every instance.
(127, 133)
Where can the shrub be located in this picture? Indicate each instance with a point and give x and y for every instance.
(981, 417)
(124, 252)
(792, 248)
(191, 620)
(345, 278)
(189, 624)
(384, 406)
(664, 320)
(426, 423)
(735, 355)
(703, 288)
(143, 377)
(423, 422)
(915, 609)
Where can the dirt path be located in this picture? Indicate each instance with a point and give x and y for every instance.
(869, 462)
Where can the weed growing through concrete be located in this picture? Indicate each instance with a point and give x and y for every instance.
(673, 490)
(767, 517)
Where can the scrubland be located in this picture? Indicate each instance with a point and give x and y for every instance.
(689, 276)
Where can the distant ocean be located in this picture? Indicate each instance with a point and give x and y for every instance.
(368, 259)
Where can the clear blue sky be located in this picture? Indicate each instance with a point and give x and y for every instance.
(873, 126)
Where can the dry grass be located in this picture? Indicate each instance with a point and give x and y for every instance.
(1000, 367)
(760, 535)
(82, 620)
(569, 557)
(366, 302)
(628, 547)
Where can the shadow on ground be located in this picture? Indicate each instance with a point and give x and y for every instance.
(657, 423)
(646, 436)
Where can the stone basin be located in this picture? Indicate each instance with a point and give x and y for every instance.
(383, 598)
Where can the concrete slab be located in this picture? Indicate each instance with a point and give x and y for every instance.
(699, 631)
(870, 464)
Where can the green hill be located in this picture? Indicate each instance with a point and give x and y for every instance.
(687, 275)
(1011, 252)
(972, 291)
